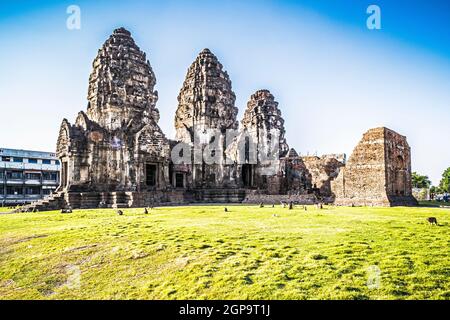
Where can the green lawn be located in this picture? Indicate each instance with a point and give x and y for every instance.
(203, 252)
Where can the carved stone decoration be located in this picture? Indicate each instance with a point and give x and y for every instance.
(206, 100)
(262, 118)
(378, 172)
(121, 84)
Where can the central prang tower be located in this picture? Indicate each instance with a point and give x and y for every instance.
(206, 109)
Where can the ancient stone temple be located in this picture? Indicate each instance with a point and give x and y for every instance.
(116, 155)
(377, 173)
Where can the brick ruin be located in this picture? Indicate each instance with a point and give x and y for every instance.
(116, 155)
(378, 172)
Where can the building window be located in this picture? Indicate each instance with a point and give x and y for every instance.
(46, 161)
(14, 175)
(33, 176)
(32, 161)
(53, 176)
(17, 159)
(2, 174)
(6, 159)
(46, 192)
(33, 190)
(57, 162)
(14, 190)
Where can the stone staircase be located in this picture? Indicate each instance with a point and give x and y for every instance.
(55, 201)
(218, 195)
(404, 201)
(80, 200)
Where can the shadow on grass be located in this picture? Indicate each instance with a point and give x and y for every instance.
(434, 204)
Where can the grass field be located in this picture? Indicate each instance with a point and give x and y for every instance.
(203, 252)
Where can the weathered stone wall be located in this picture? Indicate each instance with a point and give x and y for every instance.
(322, 170)
(117, 199)
(377, 173)
(296, 177)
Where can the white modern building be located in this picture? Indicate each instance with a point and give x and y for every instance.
(27, 176)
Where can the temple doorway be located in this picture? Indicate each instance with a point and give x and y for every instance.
(247, 175)
(64, 174)
(179, 180)
(400, 177)
(150, 174)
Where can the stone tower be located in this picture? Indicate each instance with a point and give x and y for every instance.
(264, 144)
(377, 173)
(117, 144)
(262, 119)
(206, 110)
(121, 84)
(206, 100)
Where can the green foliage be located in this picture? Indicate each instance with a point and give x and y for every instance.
(445, 181)
(435, 190)
(246, 253)
(420, 181)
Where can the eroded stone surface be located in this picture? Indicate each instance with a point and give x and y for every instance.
(121, 84)
(206, 100)
(263, 121)
(322, 170)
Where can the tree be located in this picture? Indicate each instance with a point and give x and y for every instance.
(435, 190)
(419, 181)
(445, 181)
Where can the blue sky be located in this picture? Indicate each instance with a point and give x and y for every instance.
(333, 78)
